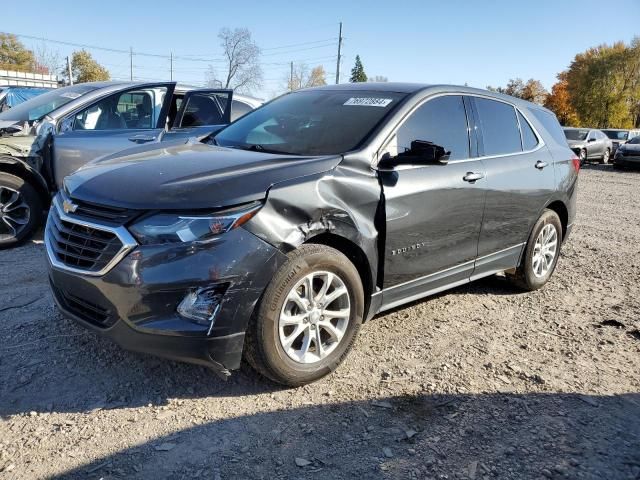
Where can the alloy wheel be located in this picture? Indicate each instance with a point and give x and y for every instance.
(14, 212)
(545, 250)
(314, 317)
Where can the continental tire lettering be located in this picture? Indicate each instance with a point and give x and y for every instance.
(274, 304)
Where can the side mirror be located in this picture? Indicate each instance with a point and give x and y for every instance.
(421, 152)
(591, 140)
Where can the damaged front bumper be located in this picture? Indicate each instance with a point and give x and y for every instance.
(135, 303)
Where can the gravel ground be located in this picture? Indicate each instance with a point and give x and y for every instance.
(481, 382)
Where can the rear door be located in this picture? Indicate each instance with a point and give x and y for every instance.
(520, 180)
(433, 212)
(118, 121)
(201, 112)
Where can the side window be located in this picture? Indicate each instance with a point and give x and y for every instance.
(591, 135)
(125, 110)
(239, 109)
(441, 121)
(529, 139)
(203, 109)
(500, 133)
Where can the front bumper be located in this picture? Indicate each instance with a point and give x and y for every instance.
(134, 304)
(627, 160)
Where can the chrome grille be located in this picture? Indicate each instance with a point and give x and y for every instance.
(84, 247)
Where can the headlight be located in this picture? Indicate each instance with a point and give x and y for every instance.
(182, 227)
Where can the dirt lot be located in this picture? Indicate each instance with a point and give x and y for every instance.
(480, 382)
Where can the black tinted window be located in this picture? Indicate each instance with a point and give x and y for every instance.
(441, 121)
(203, 109)
(500, 133)
(550, 124)
(529, 139)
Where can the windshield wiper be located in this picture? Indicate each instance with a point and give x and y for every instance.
(256, 147)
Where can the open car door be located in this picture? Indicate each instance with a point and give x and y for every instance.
(202, 112)
(117, 121)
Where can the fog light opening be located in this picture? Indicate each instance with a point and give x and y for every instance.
(202, 305)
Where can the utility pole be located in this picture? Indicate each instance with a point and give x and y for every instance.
(291, 78)
(69, 71)
(131, 63)
(339, 55)
(171, 67)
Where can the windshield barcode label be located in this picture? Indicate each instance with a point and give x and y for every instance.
(368, 102)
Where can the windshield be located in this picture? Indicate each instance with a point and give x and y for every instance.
(44, 104)
(616, 134)
(572, 134)
(320, 122)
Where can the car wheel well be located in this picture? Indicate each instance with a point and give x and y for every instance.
(17, 170)
(561, 209)
(356, 255)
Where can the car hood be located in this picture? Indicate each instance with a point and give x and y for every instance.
(188, 176)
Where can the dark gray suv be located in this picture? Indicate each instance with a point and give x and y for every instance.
(277, 237)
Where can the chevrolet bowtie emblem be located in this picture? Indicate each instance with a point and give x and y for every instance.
(69, 207)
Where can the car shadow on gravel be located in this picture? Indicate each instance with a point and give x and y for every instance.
(510, 436)
(69, 369)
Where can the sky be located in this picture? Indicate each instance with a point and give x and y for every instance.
(475, 42)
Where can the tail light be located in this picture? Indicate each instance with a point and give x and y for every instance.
(576, 163)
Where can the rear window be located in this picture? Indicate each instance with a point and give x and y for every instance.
(550, 124)
(500, 132)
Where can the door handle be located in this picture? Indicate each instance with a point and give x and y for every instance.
(471, 177)
(540, 164)
(142, 138)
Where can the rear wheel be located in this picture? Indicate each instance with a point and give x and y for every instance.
(308, 318)
(606, 155)
(541, 254)
(20, 210)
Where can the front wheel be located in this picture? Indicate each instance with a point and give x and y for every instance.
(20, 210)
(308, 317)
(605, 156)
(541, 253)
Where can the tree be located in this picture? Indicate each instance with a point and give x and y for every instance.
(532, 90)
(604, 85)
(14, 55)
(357, 72)
(85, 69)
(48, 61)
(559, 102)
(302, 78)
(242, 59)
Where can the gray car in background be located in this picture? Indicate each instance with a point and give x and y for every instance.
(50, 136)
(589, 144)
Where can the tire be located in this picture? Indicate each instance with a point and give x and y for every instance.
(527, 277)
(606, 156)
(19, 202)
(266, 338)
(583, 157)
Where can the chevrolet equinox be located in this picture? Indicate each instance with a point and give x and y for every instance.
(275, 238)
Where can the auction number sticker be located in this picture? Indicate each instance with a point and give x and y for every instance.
(368, 101)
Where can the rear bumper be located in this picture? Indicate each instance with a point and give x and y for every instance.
(134, 304)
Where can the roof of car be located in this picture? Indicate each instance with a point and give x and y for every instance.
(412, 88)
